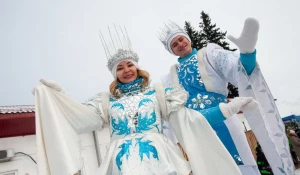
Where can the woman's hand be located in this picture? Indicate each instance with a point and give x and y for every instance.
(50, 84)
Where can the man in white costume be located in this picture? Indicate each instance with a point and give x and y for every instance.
(205, 74)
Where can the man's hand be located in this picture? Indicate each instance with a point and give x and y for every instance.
(247, 41)
(234, 106)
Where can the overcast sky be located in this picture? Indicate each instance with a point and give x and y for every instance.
(58, 40)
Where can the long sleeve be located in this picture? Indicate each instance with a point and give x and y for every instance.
(213, 115)
(59, 120)
(175, 98)
(97, 104)
(224, 62)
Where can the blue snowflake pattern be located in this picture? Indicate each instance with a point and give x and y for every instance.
(145, 122)
(121, 127)
(146, 148)
(124, 151)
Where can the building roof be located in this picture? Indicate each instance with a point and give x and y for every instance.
(17, 120)
(16, 109)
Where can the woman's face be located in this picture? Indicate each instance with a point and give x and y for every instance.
(126, 72)
(181, 46)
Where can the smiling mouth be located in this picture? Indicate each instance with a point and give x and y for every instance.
(128, 76)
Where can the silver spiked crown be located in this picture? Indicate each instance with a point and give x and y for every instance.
(118, 47)
(169, 32)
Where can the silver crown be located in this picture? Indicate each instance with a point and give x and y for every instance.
(168, 31)
(118, 47)
(121, 55)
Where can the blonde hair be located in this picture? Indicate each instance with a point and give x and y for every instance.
(141, 73)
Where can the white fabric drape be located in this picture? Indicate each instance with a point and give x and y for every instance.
(59, 120)
(207, 155)
(266, 122)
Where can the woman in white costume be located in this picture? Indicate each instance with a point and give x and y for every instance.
(134, 112)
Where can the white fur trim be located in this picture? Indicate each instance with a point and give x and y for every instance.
(203, 72)
(160, 96)
(105, 105)
(174, 75)
(224, 110)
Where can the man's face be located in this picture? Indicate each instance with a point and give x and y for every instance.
(181, 46)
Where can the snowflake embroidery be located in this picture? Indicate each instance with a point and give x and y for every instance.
(200, 101)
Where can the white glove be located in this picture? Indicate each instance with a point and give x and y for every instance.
(234, 106)
(247, 41)
(51, 84)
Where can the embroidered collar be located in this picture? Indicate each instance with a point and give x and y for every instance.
(133, 86)
(181, 60)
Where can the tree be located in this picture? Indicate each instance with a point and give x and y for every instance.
(209, 33)
(194, 35)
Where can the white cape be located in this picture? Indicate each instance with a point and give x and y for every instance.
(59, 120)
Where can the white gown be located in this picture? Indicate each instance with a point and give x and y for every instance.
(137, 144)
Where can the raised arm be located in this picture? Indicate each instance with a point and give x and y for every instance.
(82, 118)
(59, 120)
